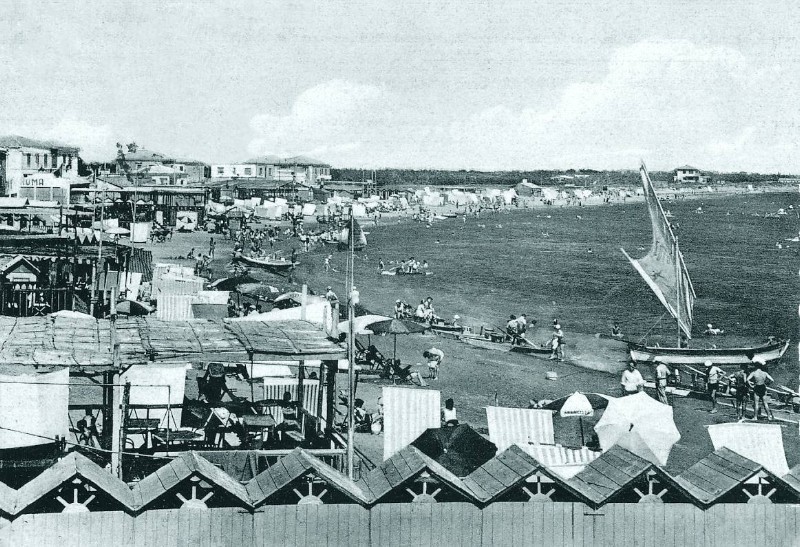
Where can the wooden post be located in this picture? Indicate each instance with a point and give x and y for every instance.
(301, 392)
(330, 412)
(121, 418)
(320, 391)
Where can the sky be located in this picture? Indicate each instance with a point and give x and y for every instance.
(455, 85)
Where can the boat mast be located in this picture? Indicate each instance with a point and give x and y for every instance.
(351, 364)
(678, 290)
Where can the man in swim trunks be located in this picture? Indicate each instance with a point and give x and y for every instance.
(713, 375)
(759, 379)
(739, 381)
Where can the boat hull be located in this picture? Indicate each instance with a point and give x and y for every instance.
(532, 350)
(719, 356)
(268, 264)
(485, 343)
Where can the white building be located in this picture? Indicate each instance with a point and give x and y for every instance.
(21, 157)
(299, 169)
(689, 175)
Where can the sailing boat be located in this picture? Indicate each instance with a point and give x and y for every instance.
(664, 271)
(359, 239)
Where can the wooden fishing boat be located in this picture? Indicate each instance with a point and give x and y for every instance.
(771, 351)
(484, 342)
(664, 271)
(398, 270)
(447, 328)
(523, 346)
(268, 263)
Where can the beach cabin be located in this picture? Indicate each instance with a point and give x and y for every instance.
(528, 189)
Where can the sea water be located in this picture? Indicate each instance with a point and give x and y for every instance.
(566, 264)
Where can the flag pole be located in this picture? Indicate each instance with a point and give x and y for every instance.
(351, 364)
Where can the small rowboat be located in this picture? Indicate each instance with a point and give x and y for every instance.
(268, 263)
(484, 343)
(400, 271)
(523, 346)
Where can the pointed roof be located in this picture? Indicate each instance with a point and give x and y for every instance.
(405, 465)
(66, 469)
(792, 479)
(608, 474)
(716, 475)
(186, 465)
(501, 473)
(292, 467)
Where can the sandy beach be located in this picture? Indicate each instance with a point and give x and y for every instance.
(474, 377)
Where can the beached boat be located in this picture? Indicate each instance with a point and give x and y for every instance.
(446, 328)
(770, 351)
(487, 339)
(484, 342)
(398, 270)
(267, 263)
(528, 348)
(664, 271)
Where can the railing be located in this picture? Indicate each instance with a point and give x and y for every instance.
(34, 302)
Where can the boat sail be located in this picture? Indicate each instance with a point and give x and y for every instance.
(665, 272)
(663, 267)
(359, 240)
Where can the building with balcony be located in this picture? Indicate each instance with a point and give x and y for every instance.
(297, 169)
(21, 158)
(690, 175)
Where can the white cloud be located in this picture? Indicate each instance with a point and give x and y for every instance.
(97, 142)
(670, 102)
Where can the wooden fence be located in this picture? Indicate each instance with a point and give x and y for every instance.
(523, 524)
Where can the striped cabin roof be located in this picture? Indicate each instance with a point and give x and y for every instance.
(716, 475)
(71, 466)
(295, 465)
(186, 465)
(405, 465)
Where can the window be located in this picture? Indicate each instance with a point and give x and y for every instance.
(220, 170)
(260, 171)
(248, 171)
(138, 165)
(28, 156)
(234, 170)
(45, 159)
(37, 159)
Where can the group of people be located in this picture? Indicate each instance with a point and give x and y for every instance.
(410, 266)
(745, 385)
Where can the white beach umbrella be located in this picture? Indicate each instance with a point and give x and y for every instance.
(577, 404)
(361, 324)
(650, 421)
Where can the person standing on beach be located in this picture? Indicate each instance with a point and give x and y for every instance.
(662, 374)
(739, 381)
(759, 379)
(632, 381)
(713, 375)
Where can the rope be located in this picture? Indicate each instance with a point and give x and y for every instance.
(651, 328)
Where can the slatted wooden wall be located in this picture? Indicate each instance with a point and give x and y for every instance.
(524, 524)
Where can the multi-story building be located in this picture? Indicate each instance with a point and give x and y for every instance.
(298, 169)
(21, 158)
(187, 171)
(689, 175)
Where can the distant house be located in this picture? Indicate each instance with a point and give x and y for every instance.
(298, 169)
(526, 188)
(21, 158)
(142, 161)
(690, 175)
